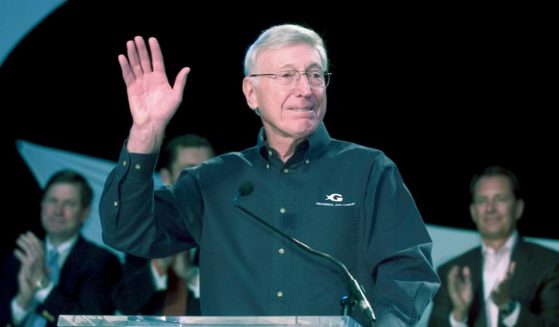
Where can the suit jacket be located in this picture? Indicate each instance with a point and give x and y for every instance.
(535, 285)
(135, 294)
(84, 287)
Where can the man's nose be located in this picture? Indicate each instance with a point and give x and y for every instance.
(303, 86)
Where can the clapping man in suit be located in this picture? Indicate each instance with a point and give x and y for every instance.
(64, 273)
(506, 281)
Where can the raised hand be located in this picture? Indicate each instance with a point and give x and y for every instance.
(461, 291)
(152, 100)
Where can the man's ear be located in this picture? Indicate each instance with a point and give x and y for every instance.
(250, 94)
(473, 213)
(519, 210)
(85, 214)
(165, 175)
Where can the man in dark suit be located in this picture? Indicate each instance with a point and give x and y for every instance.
(148, 285)
(64, 274)
(506, 281)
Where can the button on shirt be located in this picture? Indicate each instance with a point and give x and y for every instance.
(337, 197)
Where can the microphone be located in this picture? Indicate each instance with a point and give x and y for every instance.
(357, 294)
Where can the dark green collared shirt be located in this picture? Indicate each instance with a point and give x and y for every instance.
(337, 197)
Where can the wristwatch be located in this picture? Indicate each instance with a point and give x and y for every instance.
(508, 308)
(43, 282)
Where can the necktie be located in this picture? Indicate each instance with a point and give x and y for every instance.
(176, 295)
(53, 271)
(53, 267)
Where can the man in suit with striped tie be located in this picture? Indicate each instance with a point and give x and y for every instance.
(64, 273)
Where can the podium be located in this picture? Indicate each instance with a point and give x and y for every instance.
(229, 321)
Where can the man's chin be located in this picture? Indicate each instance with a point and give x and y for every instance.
(493, 234)
(307, 126)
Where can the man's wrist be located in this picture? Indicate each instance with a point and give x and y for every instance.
(459, 315)
(145, 140)
(42, 282)
(161, 271)
(508, 308)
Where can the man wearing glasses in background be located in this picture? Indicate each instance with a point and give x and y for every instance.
(337, 197)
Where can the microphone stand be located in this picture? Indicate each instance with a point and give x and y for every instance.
(356, 292)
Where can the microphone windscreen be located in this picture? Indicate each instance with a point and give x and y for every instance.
(246, 188)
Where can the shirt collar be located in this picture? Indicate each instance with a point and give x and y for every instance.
(63, 248)
(506, 249)
(315, 144)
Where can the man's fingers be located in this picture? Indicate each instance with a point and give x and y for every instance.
(19, 255)
(24, 244)
(466, 276)
(156, 55)
(36, 244)
(30, 244)
(134, 59)
(511, 269)
(143, 54)
(180, 81)
(127, 74)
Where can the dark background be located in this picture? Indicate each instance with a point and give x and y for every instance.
(443, 91)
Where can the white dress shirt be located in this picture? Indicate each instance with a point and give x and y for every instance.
(495, 267)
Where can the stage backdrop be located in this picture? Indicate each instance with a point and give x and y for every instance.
(19, 17)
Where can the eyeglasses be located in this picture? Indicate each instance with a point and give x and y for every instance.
(316, 78)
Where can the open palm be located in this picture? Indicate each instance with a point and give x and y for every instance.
(153, 101)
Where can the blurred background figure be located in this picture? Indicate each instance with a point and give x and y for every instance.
(64, 273)
(170, 285)
(506, 281)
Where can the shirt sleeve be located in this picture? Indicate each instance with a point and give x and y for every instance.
(132, 211)
(512, 319)
(18, 313)
(455, 323)
(159, 281)
(398, 248)
(42, 294)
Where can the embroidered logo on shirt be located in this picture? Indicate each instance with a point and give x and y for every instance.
(334, 200)
(335, 197)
